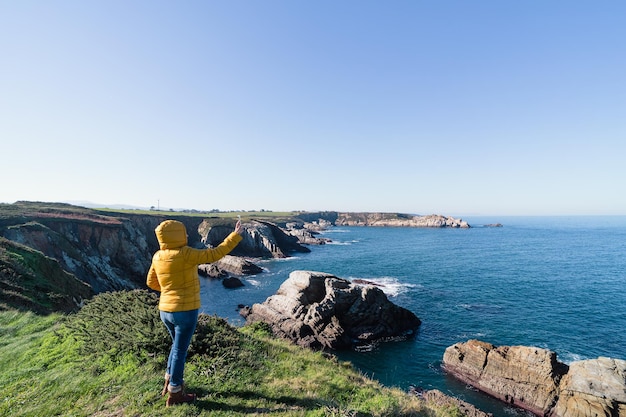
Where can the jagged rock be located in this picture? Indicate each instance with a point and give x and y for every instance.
(107, 253)
(232, 282)
(211, 271)
(526, 377)
(319, 310)
(306, 231)
(264, 239)
(532, 378)
(306, 237)
(317, 225)
(594, 387)
(238, 266)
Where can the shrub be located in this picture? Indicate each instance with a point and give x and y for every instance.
(214, 337)
(120, 322)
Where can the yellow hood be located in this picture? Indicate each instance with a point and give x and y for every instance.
(171, 234)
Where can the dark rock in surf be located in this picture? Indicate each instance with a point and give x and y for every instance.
(232, 282)
(320, 311)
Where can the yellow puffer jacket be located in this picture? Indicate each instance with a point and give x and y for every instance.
(174, 269)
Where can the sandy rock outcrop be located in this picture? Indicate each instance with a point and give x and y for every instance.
(531, 378)
(593, 387)
(526, 377)
(320, 311)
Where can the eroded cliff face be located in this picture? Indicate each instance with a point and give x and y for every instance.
(398, 220)
(107, 253)
(114, 251)
(261, 239)
(21, 287)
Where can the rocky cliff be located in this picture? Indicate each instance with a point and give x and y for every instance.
(532, 378)
(21, 286)
(113, 251)
(392, 220)
(385, 220)
(320, 311)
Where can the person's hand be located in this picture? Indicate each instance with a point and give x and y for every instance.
(238, 227)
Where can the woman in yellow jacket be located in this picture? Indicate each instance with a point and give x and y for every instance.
(174, 273)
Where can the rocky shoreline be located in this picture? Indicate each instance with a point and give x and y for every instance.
(111, 251)
(89, 251)
(533, 379)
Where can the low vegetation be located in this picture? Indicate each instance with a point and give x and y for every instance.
(108, 357)
(108, 360)
(21, 285)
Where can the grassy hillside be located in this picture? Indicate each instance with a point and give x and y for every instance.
(22, 286)
(108, 360)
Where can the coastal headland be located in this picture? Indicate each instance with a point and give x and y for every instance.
(58, 258)
(107, 250)
(54, 257)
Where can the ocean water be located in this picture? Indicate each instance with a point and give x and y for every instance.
(552, 282)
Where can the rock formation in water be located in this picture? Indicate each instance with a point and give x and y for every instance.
(593, 387)
(531, 378)
(320, 311)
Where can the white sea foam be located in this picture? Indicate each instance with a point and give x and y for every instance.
(269, 260)
(329, 231)
(481, 308)
(568, 357)
(254, 282)
(389, 285)
(345, 243)
(467, 336)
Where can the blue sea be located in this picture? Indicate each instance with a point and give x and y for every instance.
(553, 282)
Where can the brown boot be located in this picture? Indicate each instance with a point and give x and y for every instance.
(167, 382)
(179, 397)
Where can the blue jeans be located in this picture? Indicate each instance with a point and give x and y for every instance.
(180, 326)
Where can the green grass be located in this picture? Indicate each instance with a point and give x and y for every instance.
(220, 214)
(45, 370)
(22, 286)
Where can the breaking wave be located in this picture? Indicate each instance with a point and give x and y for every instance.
(391, 286)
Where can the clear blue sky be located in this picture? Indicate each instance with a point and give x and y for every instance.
(452, 107)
